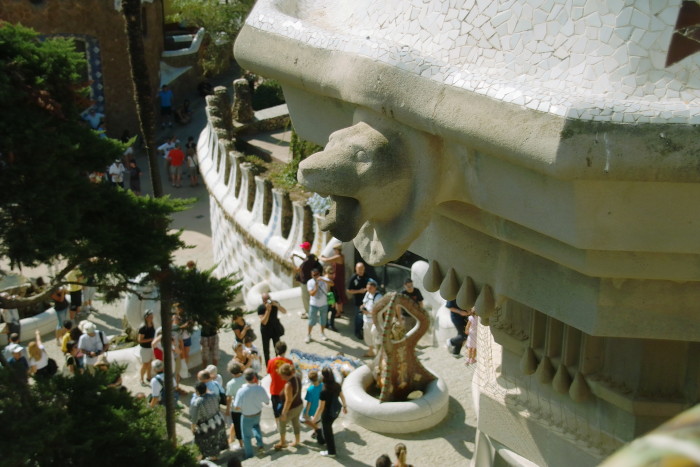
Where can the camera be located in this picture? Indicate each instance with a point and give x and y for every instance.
(269, 301)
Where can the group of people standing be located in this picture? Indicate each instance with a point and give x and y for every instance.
(176, 159)
(466, 324)
(324, 401)
(243, 397)
(325, 293)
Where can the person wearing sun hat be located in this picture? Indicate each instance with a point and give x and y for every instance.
(17, 362)
(92, 343)
(302, 273)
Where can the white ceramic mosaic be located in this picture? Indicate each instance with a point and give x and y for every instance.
(586, 59)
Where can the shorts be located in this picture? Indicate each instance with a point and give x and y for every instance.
(210, 348)
(166, 111)
(146, 354)
(187, 342)
(176, 170)
(314, 312)
(88, 293)
(61, 316)
(76, 299)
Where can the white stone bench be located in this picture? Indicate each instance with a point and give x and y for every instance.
(393, 417)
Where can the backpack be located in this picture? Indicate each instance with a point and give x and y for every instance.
(222, 394)
(161, 397)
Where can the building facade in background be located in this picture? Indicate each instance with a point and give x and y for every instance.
(97, 28)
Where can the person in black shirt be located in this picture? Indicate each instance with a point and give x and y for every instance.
(357, 287)
(146, 335)
(417, 296)
(270, 325)
(459, 318)
(331, 402)
(302, 273)
(412, 292)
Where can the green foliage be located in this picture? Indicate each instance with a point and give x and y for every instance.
(80, 421)
(216, 58)
(286, 177)
(301, 149)
(222, 22)
(205, 297)
(268, 94)
(258, 165)
(49, 210)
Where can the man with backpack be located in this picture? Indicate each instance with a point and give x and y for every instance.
(302, 273)
(92, 343)
(158, 384)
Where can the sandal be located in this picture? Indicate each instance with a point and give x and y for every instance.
(279, 446)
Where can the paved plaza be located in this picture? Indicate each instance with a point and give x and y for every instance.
(450, 443)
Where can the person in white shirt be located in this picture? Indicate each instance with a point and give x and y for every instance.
(164, 149)
(318, 287)
(369, 330)
(92, 343)
(116, 172)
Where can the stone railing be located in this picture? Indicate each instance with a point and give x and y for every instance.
(255, 227)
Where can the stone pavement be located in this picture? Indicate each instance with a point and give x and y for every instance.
(450, 443)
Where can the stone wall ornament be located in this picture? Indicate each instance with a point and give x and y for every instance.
(485, 304)
(466, 297)
(242, 110)
(388, 192)
(579, 390)
(450, 285)
(528, 362)
(433, 277)
(545, 371)
(561, 381)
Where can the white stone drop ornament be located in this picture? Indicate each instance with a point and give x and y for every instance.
(562, 380)
(545, 371)
(579, 390)
(450, 285)
(466, 296)
(433, 277)
(528, 362)
(485, 304)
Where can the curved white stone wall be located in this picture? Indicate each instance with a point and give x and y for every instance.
(242, 241)
(597, 60)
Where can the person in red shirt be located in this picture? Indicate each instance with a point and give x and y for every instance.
(276, 381)
(176, 159)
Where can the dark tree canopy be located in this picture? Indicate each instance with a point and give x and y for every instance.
(49, 210)
(204, 297)
(79, 421)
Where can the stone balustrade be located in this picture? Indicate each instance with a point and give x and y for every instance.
(255, 227)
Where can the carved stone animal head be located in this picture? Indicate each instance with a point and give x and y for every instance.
(377, 183)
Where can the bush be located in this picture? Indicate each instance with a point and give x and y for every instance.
(80, 421)
(268, 94)
(258, 165)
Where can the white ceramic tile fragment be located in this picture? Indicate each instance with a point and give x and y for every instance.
(558, 51)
